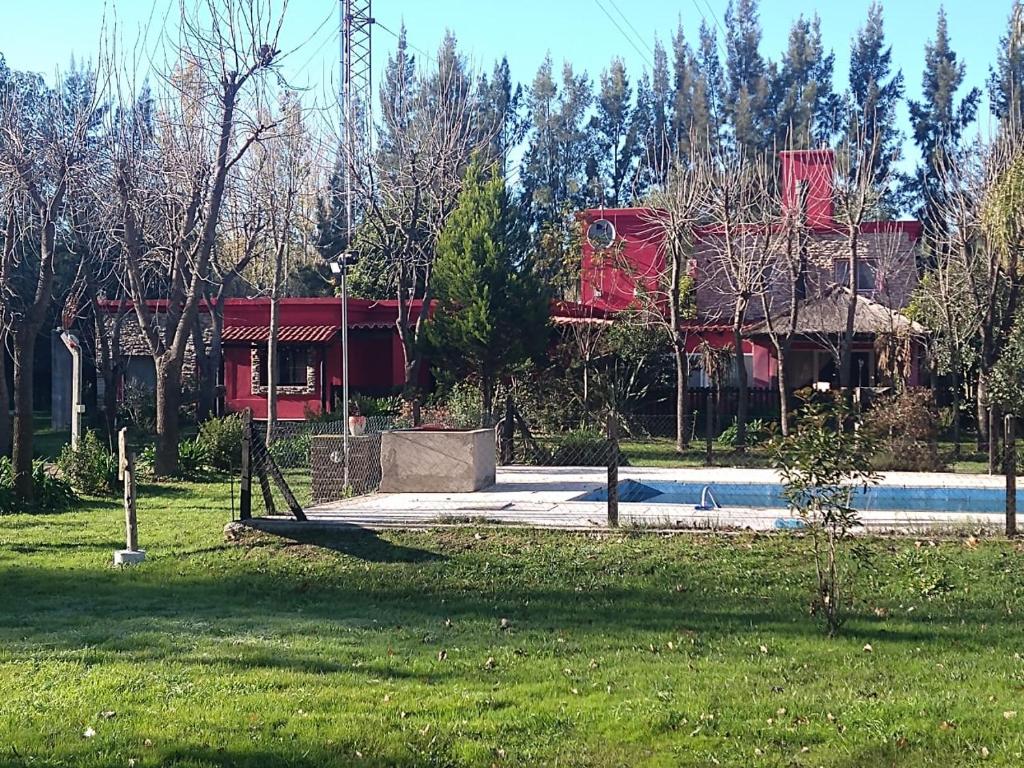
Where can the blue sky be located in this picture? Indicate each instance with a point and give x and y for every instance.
(40, 35)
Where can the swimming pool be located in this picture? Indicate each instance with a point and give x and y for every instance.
(876, 498)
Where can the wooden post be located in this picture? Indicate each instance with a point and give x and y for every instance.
(709, 428)
(126, 473)
(1010, 468)
(245, 487)
(613, 472)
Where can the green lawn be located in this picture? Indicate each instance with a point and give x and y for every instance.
(622, 650)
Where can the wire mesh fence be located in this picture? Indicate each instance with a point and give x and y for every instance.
(308, 464)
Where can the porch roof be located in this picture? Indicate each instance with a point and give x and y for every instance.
(825, 315)
(287, 334)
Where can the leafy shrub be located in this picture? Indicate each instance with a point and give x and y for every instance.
(758, 431)
(292, 451)
(220, 441)
(92, 469)
(906, 428)
(463, 406)
(821, 465)
(193, 461)
(138, 406)
(580, 448)
(364, 405)
(51, 493)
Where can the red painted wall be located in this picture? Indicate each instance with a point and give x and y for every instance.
(610, 275)
(376, 361)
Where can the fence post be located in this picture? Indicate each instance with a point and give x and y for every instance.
(1010, 468)
(709, 427)
(131, 554)
(245, 487)
(613, 471)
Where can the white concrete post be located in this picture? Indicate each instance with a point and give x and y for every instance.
(77, 408)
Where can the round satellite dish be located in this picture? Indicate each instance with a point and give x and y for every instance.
(601, 233)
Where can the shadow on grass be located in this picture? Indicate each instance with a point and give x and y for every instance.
(363, 544)
(111, 611)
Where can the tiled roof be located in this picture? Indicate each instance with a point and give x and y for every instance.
(287, 334)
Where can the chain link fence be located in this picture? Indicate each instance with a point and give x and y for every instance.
(311, 463)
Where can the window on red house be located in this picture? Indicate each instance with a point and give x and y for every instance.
(292, 363)
(867, 271)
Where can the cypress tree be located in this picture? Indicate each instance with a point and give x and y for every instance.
(614, 132)
(806, 106)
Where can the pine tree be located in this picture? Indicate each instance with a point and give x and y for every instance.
(656, 138)
(806, 106)
(872, 101)
(939, 121)
(398, 91)
(709, 90)
(492, 313)
(682, 94)
(748, 79)
(500, 119)
(614, 132)
(1006, 80)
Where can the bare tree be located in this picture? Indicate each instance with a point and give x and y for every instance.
(285, 174)
(406, 193)
(43, 137)
(171, 186)
(857, 194)
(665, 298)
(740, 244)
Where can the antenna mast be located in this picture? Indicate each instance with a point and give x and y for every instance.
(356, 105)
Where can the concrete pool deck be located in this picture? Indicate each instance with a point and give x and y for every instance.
(543, 497)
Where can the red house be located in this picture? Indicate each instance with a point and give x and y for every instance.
(310, 353)
(624, 260)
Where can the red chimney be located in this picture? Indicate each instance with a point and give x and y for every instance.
(813, 169)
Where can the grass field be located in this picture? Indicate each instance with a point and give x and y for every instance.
(493, 647)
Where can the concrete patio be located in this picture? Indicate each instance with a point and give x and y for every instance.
(544, 497)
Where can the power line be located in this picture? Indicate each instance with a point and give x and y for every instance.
(623, 33)
(630, 25)
(398, 37)
(715, 17)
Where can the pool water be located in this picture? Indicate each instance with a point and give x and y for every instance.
(896, 498)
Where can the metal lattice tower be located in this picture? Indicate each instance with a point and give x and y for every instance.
(356, 71)
(356, 103)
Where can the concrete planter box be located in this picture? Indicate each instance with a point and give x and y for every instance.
(437, 461)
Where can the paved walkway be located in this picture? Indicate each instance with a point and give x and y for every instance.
(544, 497)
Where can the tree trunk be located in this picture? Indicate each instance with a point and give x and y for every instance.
(741, 375)
(168, 400)
(275, 322)
(981, 411)
(5, 400)
(24, 374)
(956, 408)
(487, 402)
(783, 354)
(206, 381)
(846, 351)
(682, 396)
